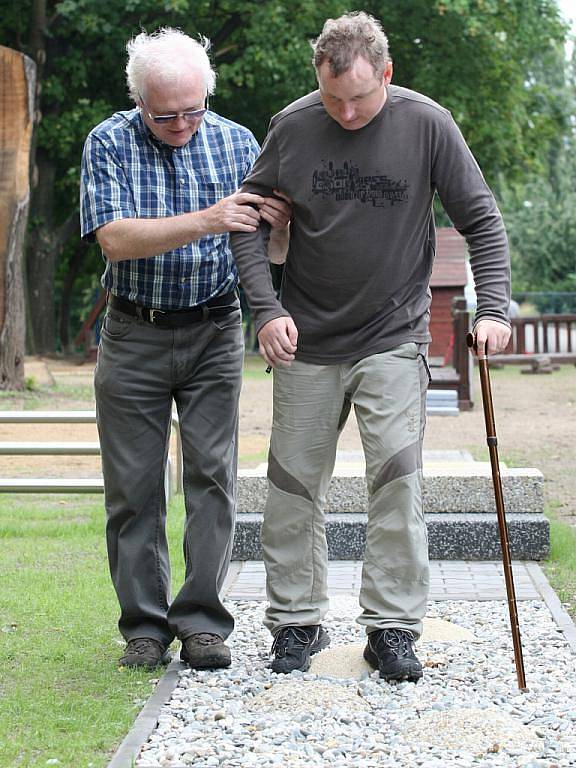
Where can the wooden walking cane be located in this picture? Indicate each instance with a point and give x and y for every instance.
(492, 442)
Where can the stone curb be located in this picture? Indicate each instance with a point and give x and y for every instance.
(560, 616)
(147, 720)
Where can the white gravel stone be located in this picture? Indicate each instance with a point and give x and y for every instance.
(466, 712)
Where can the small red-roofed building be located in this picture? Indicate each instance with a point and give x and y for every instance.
(449, 279)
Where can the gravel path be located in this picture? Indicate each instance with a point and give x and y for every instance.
(467, 711)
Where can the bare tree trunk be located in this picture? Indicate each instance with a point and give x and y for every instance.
(17, 85)
(41, 253)
(41, 262)
(43, 247)
(74, 267)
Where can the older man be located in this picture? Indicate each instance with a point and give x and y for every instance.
(159, 193)
(361, 160)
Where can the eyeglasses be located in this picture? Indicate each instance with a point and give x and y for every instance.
(190, 115)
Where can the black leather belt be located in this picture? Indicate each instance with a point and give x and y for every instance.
(216, 307)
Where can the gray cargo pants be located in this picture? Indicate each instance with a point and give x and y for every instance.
(311, 404)
(141, 370)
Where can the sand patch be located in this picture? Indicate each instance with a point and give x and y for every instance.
(307, 696)
(475, 730)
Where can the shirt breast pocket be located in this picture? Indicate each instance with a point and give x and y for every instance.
(210, 192)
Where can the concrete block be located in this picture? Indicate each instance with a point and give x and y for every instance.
(465, 489)
(450, 537)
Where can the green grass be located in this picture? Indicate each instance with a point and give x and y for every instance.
(49, 398)
(510, 458)
(251, 459)
(560, 568)
(255, 367)
(73, 391)
(61, 694)
(25, 401)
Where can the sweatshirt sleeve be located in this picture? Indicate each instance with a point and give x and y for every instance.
(250, 248)
(472, 209)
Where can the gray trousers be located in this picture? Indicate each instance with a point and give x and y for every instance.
(141, 371)
(311, 404)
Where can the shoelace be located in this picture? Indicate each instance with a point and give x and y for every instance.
(396, 640)
(207, 638)
(141, 645)
(291, 637)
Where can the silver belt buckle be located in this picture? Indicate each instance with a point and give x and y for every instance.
(154, 312)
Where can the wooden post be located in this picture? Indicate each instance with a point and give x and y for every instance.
(17, 84)
(462, 359)
(520, 324)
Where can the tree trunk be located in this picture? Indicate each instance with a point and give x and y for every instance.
(42, 243)
(17, 85)
(41, 263)
(43, 247)
(74, 267)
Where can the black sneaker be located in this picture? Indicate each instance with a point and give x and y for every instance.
(144, 652)
(205, 650)
(293, 645)
(391, 652)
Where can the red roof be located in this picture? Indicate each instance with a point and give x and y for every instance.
(450, 262)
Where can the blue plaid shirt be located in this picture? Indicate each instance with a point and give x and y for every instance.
(127, 173)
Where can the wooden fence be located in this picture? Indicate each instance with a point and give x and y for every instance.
(543, 334)
(532, 338)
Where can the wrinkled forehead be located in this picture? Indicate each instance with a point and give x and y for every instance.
(186, 82)
(359, 79)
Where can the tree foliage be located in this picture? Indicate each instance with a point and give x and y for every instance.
(542, 232)
(539, 215)
(490, 61)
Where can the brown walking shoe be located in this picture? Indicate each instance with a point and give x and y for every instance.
(205, 650)
(144, 652)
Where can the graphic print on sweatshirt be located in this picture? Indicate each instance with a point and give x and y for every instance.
(346, 183)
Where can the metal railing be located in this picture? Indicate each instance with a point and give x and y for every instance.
(56, 448)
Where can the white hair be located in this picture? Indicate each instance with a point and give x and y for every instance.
(167, 53)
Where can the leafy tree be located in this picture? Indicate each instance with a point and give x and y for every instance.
(483, 59)
(542, 232)
(489, 62)
(539, 213)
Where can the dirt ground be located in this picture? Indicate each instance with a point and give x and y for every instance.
(535, 423)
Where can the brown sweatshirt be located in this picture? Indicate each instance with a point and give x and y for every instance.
(362, 237)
